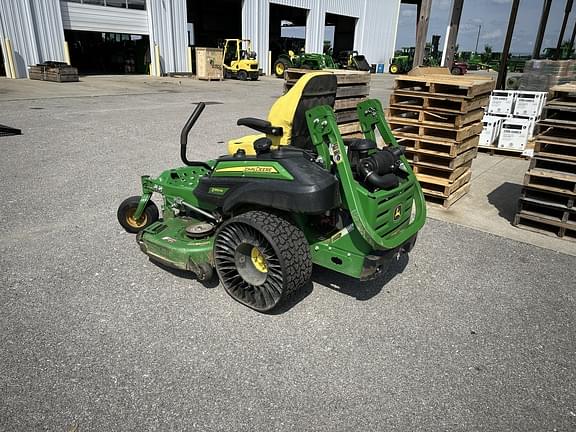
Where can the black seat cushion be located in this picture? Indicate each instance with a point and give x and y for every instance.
(321, 90)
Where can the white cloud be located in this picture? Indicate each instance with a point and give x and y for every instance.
(408, 13)
(492, 35)
(441, 4)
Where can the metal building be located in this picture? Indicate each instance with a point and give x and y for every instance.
(34, 31)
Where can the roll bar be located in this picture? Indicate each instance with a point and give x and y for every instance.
(184, 137)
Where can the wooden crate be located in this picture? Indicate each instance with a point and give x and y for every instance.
(209, 63)
(60, 73)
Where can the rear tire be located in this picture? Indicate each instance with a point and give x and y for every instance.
(261, 259)
(456, 71)
(280, 67)
(126, 212)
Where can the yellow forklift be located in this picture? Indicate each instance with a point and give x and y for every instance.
(239, 60)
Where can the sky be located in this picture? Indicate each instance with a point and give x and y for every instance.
(493, 16)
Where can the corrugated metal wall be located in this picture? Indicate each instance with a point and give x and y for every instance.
(376, 30)
(34, 28)
(167, 28)
(375, 34)
(85, 17)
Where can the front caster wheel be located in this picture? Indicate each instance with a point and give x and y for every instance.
(261, 259)
(126, 212)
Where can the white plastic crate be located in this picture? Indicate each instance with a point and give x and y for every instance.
(514, 133)
(529, 103)
(491, 126)
(502, 102)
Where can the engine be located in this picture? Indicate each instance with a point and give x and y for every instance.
(376, 168)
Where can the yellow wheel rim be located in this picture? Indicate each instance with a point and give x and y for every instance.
(394, 69)
(136, 223)
(258, 260)
(279, 69)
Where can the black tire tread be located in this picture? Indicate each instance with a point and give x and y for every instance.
(289, 243)
(151, 211)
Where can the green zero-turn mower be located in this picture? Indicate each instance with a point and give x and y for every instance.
(261, 221)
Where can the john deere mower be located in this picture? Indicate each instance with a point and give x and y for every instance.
(301, 195)
(239, 60)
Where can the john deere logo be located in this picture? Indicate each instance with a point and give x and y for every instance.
(397, 212)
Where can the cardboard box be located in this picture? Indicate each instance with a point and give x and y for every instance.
(502, 102)
(514, 133)
(490, 130)
(529, 103)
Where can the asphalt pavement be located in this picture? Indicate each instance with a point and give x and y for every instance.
(472, 331)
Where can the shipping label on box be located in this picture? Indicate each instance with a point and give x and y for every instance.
(529, 103)
(502, 102)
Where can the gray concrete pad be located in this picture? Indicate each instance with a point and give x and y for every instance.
(472, 332)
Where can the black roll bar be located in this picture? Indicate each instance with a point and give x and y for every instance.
(184, 137)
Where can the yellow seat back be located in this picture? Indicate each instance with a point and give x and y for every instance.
(289, 110)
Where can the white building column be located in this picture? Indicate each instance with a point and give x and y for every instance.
(256, 27)
(315, 27)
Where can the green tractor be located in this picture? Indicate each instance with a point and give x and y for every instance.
(402, 61)
(261, 221)
(303, 61)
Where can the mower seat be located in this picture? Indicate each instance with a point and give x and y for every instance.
(286, 124)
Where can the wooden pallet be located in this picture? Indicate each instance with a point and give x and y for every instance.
(410, 115)
(449, 175)
(55, 74)
(408, 130)
(567, 90)
(547, 197)
(432, 102)
(439, 147)
(550, 181)
(555, 166)
(448, 202)
(439, 187)
(445, 85)
(546, 210)
(546, 148)
(440, 162)
(343, 77)
(544, 224)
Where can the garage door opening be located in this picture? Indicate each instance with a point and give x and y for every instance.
(213, 21)
(342, 28)
(97, 53)
(287, 29)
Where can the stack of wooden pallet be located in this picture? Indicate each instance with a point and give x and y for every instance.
(547, 204)
(353, 88)
(437, 117)
(53, 71)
